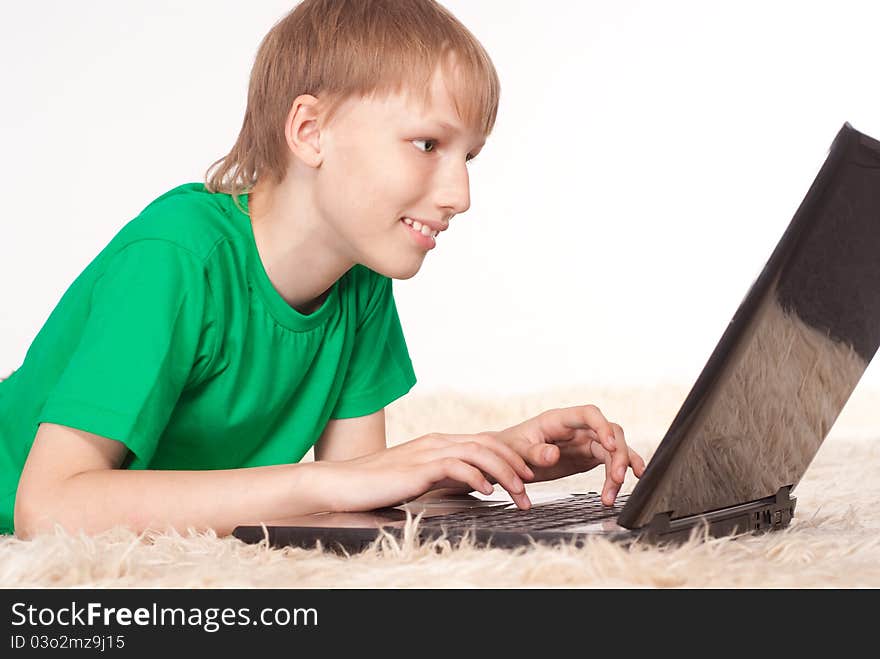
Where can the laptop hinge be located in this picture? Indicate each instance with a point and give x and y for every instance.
(761, 515)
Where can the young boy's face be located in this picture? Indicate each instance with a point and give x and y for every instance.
(386, 159)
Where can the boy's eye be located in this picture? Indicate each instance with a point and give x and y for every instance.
(433, 144)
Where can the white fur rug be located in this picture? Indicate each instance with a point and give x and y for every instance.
(834, 540)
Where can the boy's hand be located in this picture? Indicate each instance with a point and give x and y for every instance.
(562, 442)
(401, 473)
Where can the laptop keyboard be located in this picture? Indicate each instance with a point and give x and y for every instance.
(577, 509)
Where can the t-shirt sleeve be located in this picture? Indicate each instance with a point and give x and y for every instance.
(140, 344)
(380, 370)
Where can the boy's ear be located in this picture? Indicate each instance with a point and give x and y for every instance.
(302, 131)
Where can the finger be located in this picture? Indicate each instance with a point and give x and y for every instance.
(620, 460)
(598, 451)
(612, 487)
(515, 459)
(637, 463)
(489, 462)
(560, 423)
(456, 470)
(545, 455)
(535, 451)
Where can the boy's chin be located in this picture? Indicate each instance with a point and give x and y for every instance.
(397, 270)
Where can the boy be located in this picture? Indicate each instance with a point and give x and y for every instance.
(233, 325)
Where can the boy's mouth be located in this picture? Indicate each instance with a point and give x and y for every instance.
(423, 235)
(415, 225)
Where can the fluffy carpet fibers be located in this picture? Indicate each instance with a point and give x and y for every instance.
(833, 542)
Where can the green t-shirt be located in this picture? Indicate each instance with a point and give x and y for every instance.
(174, 342)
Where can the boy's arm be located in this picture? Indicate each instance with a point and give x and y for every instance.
(72, 477)
(345, 439)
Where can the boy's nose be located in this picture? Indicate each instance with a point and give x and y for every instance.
(454, 194)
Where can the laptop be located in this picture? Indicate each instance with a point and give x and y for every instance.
(753, 421)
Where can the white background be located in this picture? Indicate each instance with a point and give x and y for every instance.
(646, 159)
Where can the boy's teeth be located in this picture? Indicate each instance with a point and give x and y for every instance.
(424, 229)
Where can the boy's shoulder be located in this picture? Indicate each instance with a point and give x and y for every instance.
(188, 216)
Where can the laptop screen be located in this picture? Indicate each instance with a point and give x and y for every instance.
(790, 357)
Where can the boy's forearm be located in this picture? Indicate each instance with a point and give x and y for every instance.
(140, 499)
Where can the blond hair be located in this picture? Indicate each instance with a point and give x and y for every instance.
(338, 49)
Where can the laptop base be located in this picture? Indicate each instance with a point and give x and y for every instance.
(356, 532)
